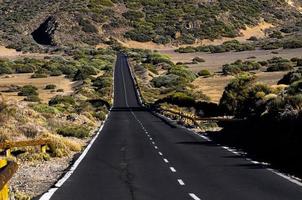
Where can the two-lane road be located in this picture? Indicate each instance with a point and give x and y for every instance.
(138, 156)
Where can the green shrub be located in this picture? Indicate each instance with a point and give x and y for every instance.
(183, 72)
(5, 69)
(74, 131)
(204, 73)
(60, 90)
(50, 87)
(133, 15)
(291, 77)
(87, 26)
(170, 80)
(198, 59)
(45, 109)
(281, 66)
(186, 50)
(61, 100)
(292, 44)
(38, 75)
(240, 66)
(32, 98)
(24, 69)
(28, 90)
(100, 115)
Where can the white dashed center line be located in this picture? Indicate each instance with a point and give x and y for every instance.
(180, 182)
(166, 161)
(160, 153)
(194, 196)
(173, 169)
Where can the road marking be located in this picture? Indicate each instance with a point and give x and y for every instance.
(166, 161)
(151, 138)
(153, 143)
(172, 169)
(155, 147)
(194, 196)
(180, 182)
(160, 153)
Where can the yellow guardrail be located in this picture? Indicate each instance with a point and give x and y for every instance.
(7, 170)
(191, 119)
(7, 146)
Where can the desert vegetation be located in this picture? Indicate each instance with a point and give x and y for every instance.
(67, 121)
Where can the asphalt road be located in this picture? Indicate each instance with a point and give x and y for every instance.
(139, 156)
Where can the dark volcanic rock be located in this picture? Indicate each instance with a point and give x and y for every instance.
(44, 34)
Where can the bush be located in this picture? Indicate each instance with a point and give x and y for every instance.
(292, 44)
(50, 87)
(5, 69)
(60, 90)
(61, 100)
(198, 59)
(186, 50)
(24, 69)
(291, 77)
(182, 72)
(239, 66)
(28, 90)
(204, 73)
(38, 75)
(32, 98)
(74, 131)
(44, 109)
(133, 15)
(281, 66)
(170, 80)
(87, 26)
(56, 73)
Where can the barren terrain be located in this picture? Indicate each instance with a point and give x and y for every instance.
(214, 86)
(25, 79)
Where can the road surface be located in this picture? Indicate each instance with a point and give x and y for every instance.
(139, 156)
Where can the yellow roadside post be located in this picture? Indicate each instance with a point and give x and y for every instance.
(4, 192)
(43, 148)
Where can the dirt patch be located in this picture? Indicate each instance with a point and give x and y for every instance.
(32, 178)
(25, 79)
(214, 62)
(214, 86)
(258, 31)
(13, 54)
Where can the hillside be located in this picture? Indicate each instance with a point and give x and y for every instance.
(25, 24)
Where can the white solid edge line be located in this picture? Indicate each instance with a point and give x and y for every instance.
(180, 182)
(289, 178)
(51, 191)
(194, 196)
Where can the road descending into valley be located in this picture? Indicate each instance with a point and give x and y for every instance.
(139, 156)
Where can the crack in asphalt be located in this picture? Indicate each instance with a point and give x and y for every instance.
(125, 174)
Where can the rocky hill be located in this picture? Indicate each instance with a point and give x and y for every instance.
(32, 24)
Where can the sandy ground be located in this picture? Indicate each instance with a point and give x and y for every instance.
(24, 79)
(13, 54)
(214, 86)
(258, 31)
(214, 62)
